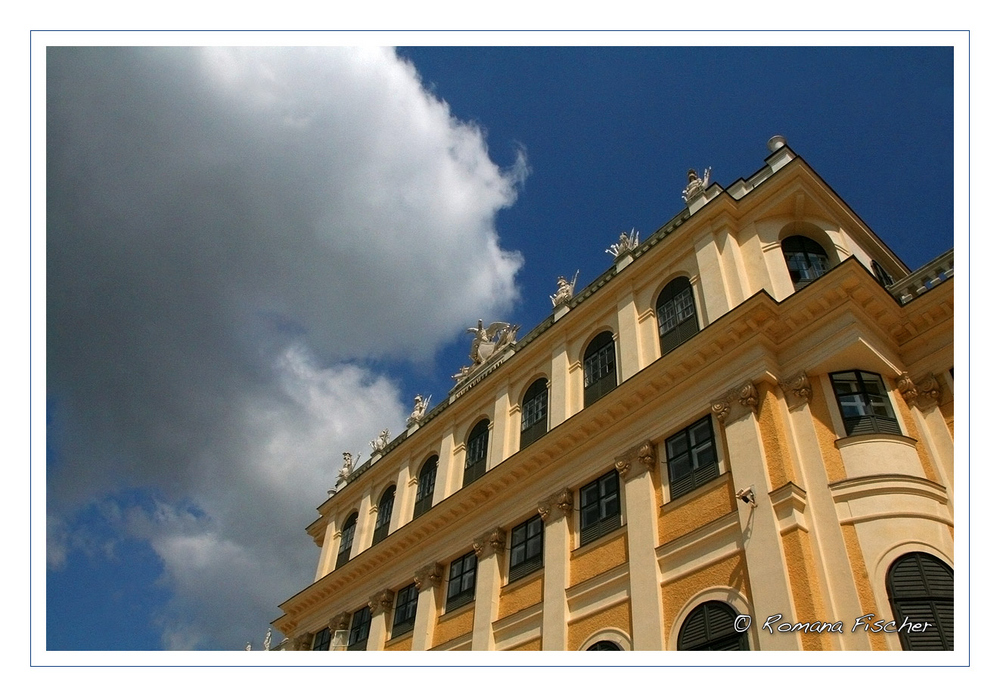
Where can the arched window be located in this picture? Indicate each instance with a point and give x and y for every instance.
(384, 514)
(806, 260)
(534, 412)
(346, 540)
(599, 373)
(709, 627)
(921, 590)
(675, 315)
(605, 646)
(425, 486)
(475, 452)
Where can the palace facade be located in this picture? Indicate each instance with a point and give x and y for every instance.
(738, 436)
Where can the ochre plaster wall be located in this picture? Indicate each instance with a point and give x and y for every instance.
(825, 433)
(521, 596)
(730, 572)
(454, 625)
(597, 557)
(801, 569)
(865, 593)
(772, 433)
(705, 504)
(614, 617)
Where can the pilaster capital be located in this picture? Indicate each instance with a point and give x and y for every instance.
(341, 621)
(925, 393)
(736, 402)
(797, 390)
(636, 460)
(302, 642)
(428, 576)
(556, 506)
(381, 601)
(490, 543)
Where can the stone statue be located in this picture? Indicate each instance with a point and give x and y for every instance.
(487, 340)
(348, 467)
(267, 640)
(419, 409)
(248, 647)
(564, 291)
(380, 443)
(627, 241)
(695, 185)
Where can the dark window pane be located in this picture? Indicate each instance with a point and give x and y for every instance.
(805, 258)
(709, 627)
(691, 458)
(864, 403)
(600, 511)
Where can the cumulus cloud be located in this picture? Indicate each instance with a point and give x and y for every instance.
(231, 235)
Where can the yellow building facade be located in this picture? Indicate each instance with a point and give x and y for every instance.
(739, 437)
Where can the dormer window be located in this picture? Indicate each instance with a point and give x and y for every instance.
(805, 258)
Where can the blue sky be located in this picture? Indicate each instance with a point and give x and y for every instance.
(256, 259)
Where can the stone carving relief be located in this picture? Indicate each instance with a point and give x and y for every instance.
(743, 399)
(925, 392)
(381, 601)
(341, 621)
(428, 576)
(627, 242)
(491, 542)
(797, 390)
(636, 460)
(557, 505)
(564, 290)
(696, 185)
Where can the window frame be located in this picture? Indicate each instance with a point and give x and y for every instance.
(425, 486)
(347, 533)
(930, 599)
(361, 619)
(535, 404)
(384, 515)
(321, 640)
(807, 253)
(869, 422)
(606, 521)
(669, 306)
(474, 469)
(529, 562)
(718, 631)
(458, 594)
(704, 471)
(405, 613)
(600, 355)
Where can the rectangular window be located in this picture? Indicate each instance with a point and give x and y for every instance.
(864, 403)
(525, 548)
(346, 541)
(406, 610)
(600, 510)
(461, 582)
(691, 458)
(321, 642)
(360, 624)
(425, 489)
(534, 417)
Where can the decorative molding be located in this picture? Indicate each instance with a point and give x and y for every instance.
(643, 454)
(491, 542)
(556, 506)
(381, 601)
(925, 392)
(746, 396)
(789, 503)
(428, 576)
(303, 642)
(341, 621)
(797, 390)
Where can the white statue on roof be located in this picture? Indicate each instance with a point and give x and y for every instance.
(627, 241)
(695, 185)
(419, 409)
(380, 443)
(486, 341)
(564, 290)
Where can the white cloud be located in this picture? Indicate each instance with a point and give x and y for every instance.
(229, 230)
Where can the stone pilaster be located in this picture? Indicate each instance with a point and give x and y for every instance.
(489, 550)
